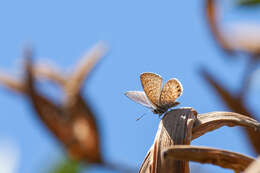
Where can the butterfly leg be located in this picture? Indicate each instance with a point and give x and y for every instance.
(160, 116)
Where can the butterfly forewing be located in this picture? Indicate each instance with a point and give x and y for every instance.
(152, 84)
(170, 92)
(139, 97)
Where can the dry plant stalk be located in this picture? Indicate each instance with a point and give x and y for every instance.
(254, 167)
(222, 158)
(174, 129)
(178, 127)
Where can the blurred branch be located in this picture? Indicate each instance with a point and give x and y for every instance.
(46, 71)
(246, 79)
(74, 126)
(231, 101)
(235, 104)
(78, 131)
(212, 17)
(73, 123)
(11, 83)
(232, 43)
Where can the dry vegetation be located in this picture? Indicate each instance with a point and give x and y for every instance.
(73, 122)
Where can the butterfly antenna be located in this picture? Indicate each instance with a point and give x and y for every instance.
(137, 119)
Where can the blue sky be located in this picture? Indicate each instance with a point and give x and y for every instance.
(170, 38)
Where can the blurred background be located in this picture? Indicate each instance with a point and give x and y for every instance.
(170, 38)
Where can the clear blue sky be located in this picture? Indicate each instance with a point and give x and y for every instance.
(168, 37)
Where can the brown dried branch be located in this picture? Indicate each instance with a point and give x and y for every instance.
(46, 71)
(236, 105)
(174, 129)
(213, 120)
(84, 67)
(231, 101)
(11, 83)
(254, 167)
(77, 132)
(222, 158)
(240, 40)
(212, 17)
(73, 125)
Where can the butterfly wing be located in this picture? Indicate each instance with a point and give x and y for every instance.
(139, 97)
(170, 92)
(152, 85)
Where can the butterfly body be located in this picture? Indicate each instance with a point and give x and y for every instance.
(161, 110)
(154, 96)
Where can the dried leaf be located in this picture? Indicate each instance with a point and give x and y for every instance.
(254, 167)
(236, 105)
(174, 129)
(222, 158)
(213, 120)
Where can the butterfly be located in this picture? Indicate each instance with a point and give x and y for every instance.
(154, 96)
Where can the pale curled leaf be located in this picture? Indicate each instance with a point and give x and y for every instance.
(174, 129)
(210, 121)
(254, 167)
(244, 37)
(222, 158)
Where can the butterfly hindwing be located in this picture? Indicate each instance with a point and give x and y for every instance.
(152, 85)
(170, 92)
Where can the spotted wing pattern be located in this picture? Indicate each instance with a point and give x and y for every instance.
(139, 97)
(152, 85)
(170, 92)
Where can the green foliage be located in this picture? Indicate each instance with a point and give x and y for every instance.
(249, 3)
(67, 166)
